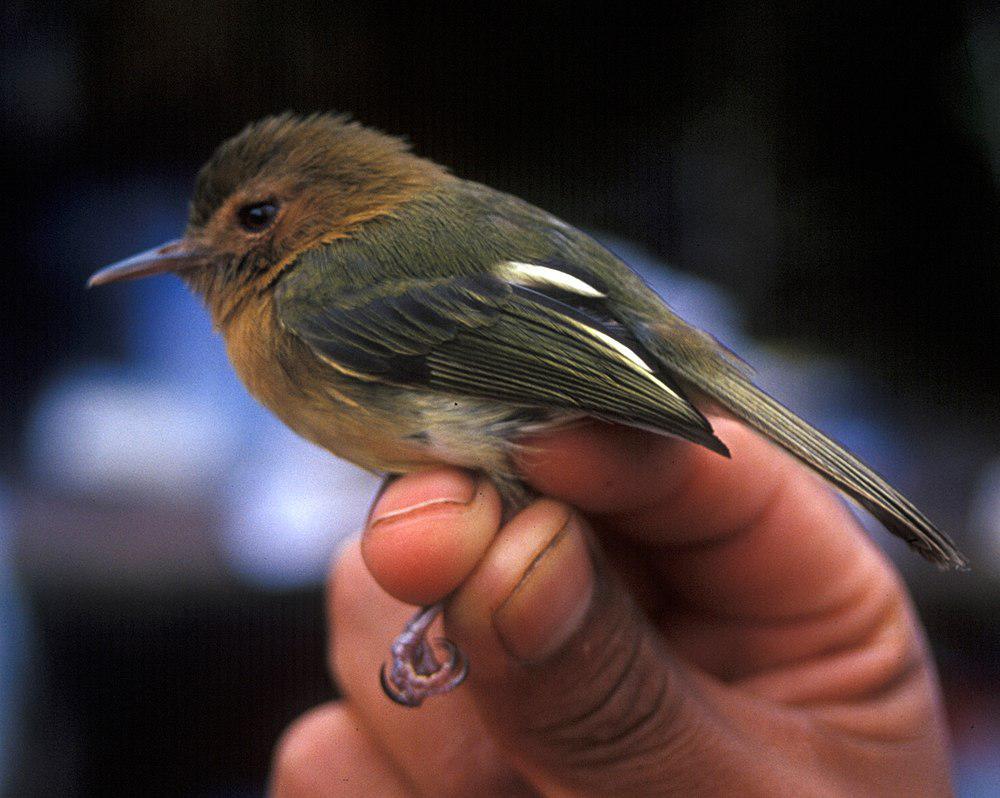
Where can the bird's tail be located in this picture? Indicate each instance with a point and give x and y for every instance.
(738, 395)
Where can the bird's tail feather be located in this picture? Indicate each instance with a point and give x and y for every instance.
(847, 472)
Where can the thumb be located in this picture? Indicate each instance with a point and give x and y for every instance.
(569, 676)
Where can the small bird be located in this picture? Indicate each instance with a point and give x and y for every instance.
(400, 316)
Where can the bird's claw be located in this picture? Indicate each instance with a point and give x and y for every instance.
(406, 686)
(415, 673)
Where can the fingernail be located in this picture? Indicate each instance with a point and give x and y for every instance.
(424, 490)
(549, 602)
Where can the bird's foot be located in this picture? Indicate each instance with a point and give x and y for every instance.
(415, 672)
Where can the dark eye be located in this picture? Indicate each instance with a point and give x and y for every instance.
(258, 216)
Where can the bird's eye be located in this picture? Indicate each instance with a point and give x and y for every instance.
(257, 216)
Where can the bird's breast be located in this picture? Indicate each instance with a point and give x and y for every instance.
(380, 427)
(309, 397)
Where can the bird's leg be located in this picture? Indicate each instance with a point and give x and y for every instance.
(415, 672)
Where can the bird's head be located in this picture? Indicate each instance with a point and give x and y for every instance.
(281, 186)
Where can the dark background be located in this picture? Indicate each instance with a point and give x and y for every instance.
(832, 170)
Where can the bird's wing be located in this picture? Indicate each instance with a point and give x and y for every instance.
(484, 336)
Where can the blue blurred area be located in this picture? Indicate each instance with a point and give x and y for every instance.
(14, 646)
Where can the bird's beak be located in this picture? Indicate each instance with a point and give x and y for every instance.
(174, 256)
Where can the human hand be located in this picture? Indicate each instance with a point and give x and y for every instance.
(697, 626)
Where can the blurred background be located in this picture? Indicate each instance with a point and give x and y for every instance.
(815, 183)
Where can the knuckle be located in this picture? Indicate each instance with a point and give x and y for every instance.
(624, 710)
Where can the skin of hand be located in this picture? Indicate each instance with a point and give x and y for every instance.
(665, 621)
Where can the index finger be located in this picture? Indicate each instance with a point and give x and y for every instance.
(755, 536)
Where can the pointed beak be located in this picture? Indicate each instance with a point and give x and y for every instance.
(174, 256)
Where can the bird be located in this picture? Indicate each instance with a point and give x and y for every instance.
(400, 316)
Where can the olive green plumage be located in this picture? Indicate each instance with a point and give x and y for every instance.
(420, 300)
